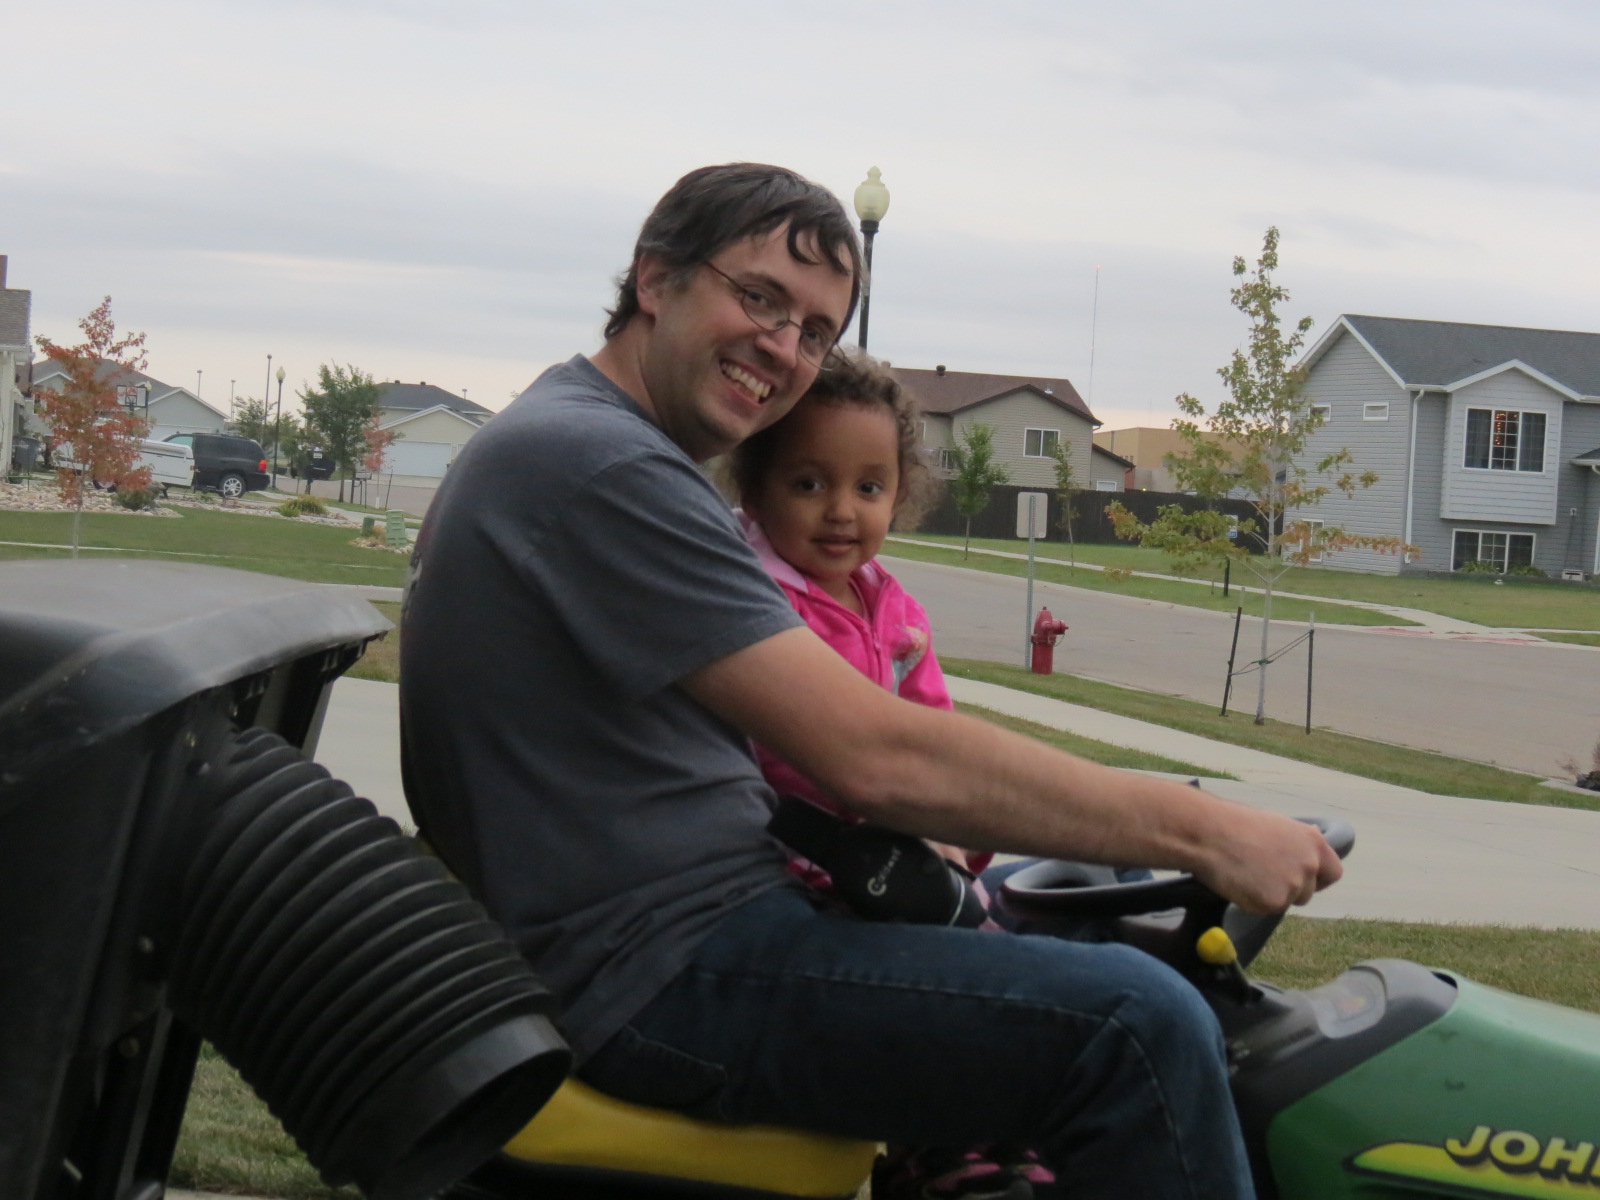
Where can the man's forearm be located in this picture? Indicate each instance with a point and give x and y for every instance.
(956, 779)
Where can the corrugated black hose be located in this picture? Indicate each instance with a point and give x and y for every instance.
(385, 1020)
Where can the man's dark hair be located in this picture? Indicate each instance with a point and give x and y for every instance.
(712, 208)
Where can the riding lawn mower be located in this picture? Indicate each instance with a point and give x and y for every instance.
(175, 867)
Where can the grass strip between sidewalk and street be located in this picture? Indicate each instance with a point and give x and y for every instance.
(1577, 639)
(231, 1143)
(1423, 770)
(1095, 751)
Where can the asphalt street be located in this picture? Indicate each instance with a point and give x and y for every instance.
(1526, 706)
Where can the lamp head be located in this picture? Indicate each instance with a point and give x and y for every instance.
(872, 197)
(281, 374)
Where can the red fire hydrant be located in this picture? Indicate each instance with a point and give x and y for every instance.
(1047, 632)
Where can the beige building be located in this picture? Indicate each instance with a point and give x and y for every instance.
(1029, 417)
(1148, 448)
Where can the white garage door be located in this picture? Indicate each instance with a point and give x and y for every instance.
(417, 458)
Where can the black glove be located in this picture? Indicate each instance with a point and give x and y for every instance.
(879, 873)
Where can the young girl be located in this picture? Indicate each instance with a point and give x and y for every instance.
(819, 490)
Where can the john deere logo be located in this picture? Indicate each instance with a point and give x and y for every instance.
(1491, 1162)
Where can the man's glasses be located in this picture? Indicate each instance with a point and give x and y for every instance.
(765, 311)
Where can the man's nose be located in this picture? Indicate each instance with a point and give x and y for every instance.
(782, 344)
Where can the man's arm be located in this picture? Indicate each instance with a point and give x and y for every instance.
(947, 776)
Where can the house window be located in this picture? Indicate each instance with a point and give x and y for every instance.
(947, 459)
(1313, 528)
(1322, 412)
(1503, 440)
(1107, 485)
(1375, 412)
(1040, 443)
(1501, 551)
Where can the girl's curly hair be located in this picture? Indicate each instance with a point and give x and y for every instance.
(855, 379)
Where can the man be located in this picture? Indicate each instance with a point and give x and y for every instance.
(589, 644)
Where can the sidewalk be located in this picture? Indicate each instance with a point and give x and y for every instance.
(1418, 857)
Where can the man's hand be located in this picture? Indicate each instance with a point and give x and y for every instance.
(1264, 863)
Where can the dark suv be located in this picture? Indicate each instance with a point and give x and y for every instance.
(229, 465)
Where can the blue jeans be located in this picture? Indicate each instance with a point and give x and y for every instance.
(1102, 1058)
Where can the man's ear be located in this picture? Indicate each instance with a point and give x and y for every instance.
(653, 278)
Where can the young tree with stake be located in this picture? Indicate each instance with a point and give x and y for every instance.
(977, 474)
(1067, 490)
(1255, 443)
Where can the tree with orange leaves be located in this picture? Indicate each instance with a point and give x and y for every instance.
(100, 435)
(378, 443)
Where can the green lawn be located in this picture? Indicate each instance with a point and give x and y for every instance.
(1515, 603)
(1170, 591)
(1419, 769)
(272, 545)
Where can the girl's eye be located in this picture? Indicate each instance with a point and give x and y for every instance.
(871, 488)
(807, 485)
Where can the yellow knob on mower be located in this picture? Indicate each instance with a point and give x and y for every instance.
(1215, 947)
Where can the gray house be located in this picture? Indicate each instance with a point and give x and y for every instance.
(16, 353)
(1029, 416)
(1485, 440)
(170, 409)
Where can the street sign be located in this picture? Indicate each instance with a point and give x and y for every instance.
(1037, 506)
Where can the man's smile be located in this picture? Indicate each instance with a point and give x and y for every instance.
(757, 389)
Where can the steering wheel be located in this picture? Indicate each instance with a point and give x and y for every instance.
(1056, 893)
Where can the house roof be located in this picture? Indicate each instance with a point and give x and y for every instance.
(14, 306)
(46, 369)
(942, 391)
(421, 396)
(1448, 354)
(437, 408)
(1117, 458)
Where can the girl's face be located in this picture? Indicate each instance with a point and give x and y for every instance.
(830, 491)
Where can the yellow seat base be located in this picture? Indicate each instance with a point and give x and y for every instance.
(581, 1127)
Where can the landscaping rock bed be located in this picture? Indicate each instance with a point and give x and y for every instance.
(40, 496)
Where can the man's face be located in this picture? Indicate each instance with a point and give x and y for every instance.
(713, 376)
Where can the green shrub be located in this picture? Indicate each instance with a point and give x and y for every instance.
(303, 506)
(1528, 569)
(1478, 567)
(136, 498)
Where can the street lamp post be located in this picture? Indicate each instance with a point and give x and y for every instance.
(872, 202)
(277, 427)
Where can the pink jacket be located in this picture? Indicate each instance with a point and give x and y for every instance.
(892, 645)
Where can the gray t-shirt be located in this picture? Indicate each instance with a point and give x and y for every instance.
(574, 566)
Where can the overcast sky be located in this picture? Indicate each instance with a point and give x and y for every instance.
(443, 190)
